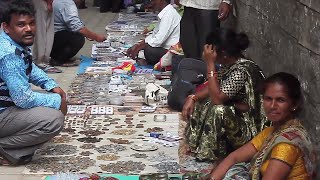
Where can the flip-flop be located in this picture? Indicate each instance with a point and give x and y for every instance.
(66, 64)
(4, 161)
(10, 160)
(51, 70)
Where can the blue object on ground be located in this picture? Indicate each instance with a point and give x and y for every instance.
(85, 62)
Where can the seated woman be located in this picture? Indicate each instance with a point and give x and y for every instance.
(228, 113)
(282, 151)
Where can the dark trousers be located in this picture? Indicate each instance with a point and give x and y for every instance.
(106, 5)
(154, 54)
(66, 44)
(195, 25)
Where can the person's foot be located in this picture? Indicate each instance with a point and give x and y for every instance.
(49, 69)
(4, 161)
(69, 63)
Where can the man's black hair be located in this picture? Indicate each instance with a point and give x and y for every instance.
(20, 7)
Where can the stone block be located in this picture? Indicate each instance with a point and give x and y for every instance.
(310, 35)
(312, 4)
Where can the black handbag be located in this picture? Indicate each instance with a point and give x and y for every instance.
(189, 74)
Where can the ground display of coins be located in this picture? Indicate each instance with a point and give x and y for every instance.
(108, 151)
(104, 130)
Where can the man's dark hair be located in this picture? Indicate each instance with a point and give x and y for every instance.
(20, 7)
(168, 1)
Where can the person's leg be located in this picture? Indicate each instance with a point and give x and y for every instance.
(116, 6)
(49, 35)
(188, 36)
(66, 45)
(154, 54)
(105, 5)
(206, 22)
(25, 130)
(39, 46)
(213, 142)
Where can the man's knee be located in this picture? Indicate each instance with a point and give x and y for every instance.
(53, 121)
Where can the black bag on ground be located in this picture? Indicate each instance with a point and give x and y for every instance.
(190, 73)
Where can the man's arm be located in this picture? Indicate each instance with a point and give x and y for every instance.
(71, 18)
(91, 35)
(13, 73)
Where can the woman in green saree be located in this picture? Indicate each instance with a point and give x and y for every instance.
(226, 113)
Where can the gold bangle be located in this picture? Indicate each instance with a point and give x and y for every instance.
(193, 97)
(211, 74)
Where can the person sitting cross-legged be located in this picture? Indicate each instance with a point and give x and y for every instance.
(27, 118)
(164, 35)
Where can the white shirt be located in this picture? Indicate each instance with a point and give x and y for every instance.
(167, 31)
(203, 4)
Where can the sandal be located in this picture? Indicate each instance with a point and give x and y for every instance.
(7, 160)
(65, 64)
(49, 69)
(4, 161)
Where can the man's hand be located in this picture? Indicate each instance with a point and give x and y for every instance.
(49, 5)
(63, 106)
(224, 11)
(100, 38)
(59, 91)
(177, 2)
(134, 50)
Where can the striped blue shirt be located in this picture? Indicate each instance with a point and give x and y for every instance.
(13, 78)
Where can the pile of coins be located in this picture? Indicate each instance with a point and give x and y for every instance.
(89, 139)
(110, 148)
(59, 149)
(123, 167)
(167, 167)
(123, 132)
(61, 164)
(108, 157)
(91, 132)
(87, 146)
(119, 141)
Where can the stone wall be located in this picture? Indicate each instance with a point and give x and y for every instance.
(285, 36)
